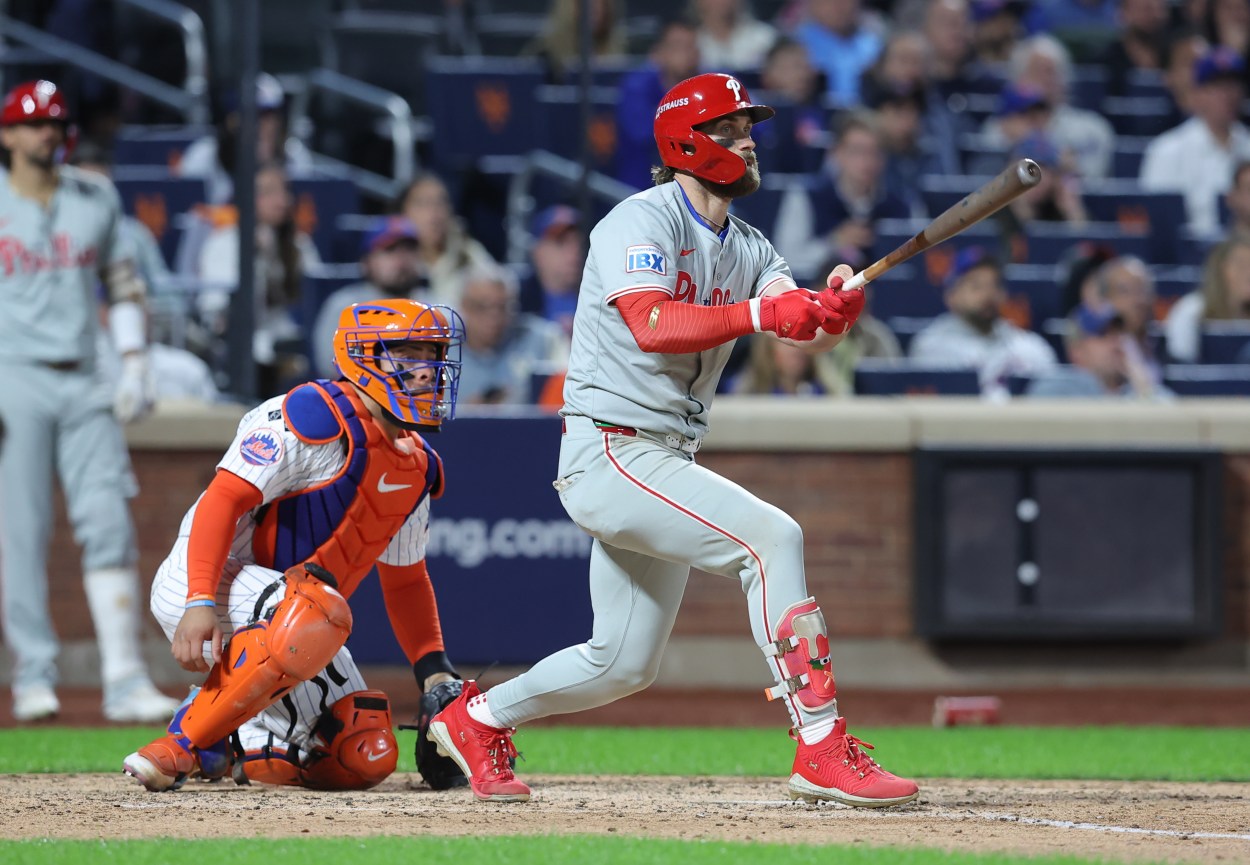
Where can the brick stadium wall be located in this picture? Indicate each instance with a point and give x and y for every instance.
(856, 509)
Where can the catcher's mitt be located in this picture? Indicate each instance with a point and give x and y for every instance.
(440, 772)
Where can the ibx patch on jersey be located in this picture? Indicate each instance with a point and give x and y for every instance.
(644, 257)
(261, 447)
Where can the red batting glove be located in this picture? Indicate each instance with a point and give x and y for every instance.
(794, 315)
(843, 307)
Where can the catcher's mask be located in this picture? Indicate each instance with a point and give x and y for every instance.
(692, 103)
(372, 351)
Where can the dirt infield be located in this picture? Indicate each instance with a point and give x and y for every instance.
(1128, 822)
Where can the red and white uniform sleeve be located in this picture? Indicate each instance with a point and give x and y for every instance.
(775, 277)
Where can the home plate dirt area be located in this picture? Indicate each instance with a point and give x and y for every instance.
(1121, 821)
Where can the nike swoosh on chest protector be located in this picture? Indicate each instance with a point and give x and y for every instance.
(384, 487)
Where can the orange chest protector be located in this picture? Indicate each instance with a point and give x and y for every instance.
(346, 523)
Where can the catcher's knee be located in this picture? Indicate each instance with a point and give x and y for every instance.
(356, 747)
(264, 661)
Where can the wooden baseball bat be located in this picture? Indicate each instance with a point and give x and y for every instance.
(974, 207)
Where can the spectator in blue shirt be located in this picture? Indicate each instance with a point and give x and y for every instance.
(841, 44)
(673, 58)
(558, 256)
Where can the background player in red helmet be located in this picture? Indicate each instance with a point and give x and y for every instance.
(58, 242)
(672, 279)
(319, 486)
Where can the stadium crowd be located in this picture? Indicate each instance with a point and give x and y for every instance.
(1127, 266)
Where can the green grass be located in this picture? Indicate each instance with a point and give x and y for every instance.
(541, 850)
(1113, 753)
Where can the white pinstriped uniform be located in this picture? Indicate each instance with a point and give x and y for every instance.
(654, 514)
(295, 466)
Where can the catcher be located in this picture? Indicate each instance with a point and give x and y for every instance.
(318, 486)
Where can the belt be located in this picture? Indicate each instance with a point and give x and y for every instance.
(62, 365)
(670, 439)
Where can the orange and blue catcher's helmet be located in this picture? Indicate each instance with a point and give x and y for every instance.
(364, 352)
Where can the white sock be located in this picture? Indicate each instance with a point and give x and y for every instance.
(113, 598)
(817, 730)
(479, 711)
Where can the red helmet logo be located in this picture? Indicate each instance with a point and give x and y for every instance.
(691, 103)
(32, 101)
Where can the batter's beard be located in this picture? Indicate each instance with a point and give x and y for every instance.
(744, 185)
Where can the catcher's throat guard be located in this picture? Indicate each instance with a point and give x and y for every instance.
(802, 648)
(264, 661)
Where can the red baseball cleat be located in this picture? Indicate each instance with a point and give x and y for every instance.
(483, 753)
(837, 769)
(161, 765)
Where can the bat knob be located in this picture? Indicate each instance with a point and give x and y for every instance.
(1029, 172)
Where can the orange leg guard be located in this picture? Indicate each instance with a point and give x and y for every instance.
(359, 748)
(266, 660)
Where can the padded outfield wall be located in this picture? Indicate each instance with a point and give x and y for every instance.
(503, 552)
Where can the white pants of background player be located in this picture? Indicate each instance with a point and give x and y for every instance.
(246, 593)
(60, 424)
(654, 514)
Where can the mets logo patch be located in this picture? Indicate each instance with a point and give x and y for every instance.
(261, 447)
(644, 257)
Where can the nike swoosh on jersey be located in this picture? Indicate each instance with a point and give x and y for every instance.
(384, 487)
(687, 251)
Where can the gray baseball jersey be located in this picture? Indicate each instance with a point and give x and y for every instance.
(652, 510)
(654, 241)
(58, 419)
(50, 260)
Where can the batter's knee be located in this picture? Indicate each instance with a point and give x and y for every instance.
(627, 676)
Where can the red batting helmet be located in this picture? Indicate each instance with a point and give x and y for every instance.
(696, 101)
(34, 100)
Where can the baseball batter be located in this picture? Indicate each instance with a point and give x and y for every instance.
(671, 281)
(58, 241)
(318, 486)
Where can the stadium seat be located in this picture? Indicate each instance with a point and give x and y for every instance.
(892, 378)
(1127, 158)
(318, 201)
(935, 262)
(1033, 296)
(1138, 115)
(384, 48)
(1208, 380)
(155, 197)
(905, 328)
(1158, 215)
(155, 145)
(1145, 82)
(318, 285)
(905, 292)
(1225, 342)
(1088, 87)
(1049, 242)
(481, 107)
(761, 208)
(558, 109)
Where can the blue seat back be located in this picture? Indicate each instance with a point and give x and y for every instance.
(481, 107)
(1211, 381)
(155, 197)
(155, 145)
(557, 116)
(1225, 343)
(318, 204)
(908, 379)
